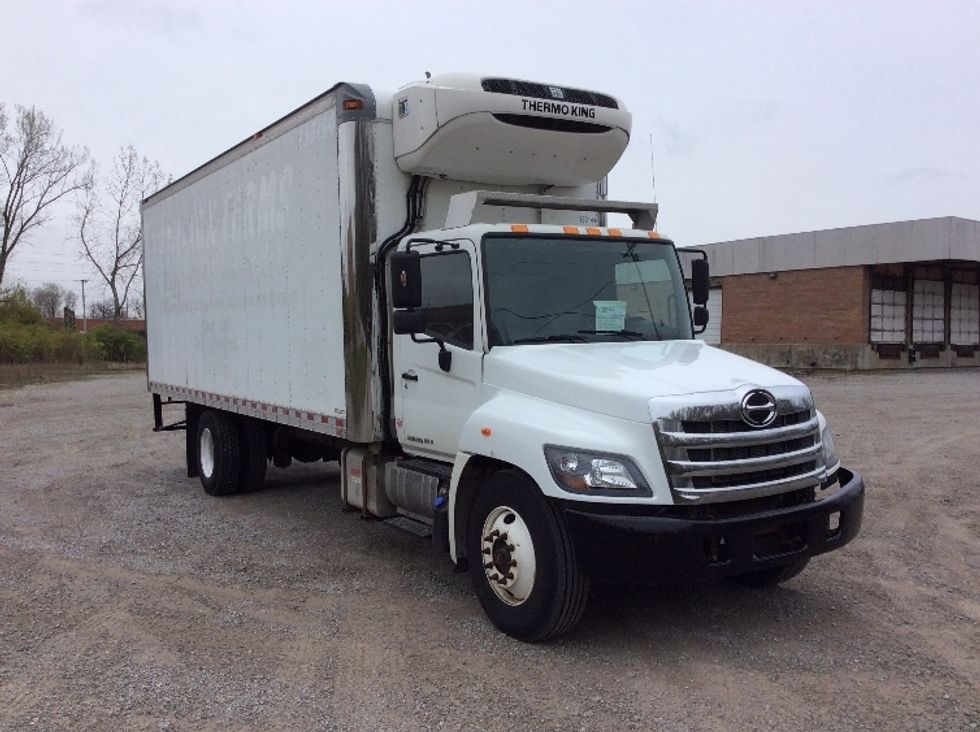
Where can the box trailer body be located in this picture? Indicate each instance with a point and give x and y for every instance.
(424, 286)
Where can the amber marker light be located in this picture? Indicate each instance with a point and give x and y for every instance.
(353, 104)
(486, 432)
(593, 232)
(653, 234)
(615, 232)
(571, 230)
(518, 228)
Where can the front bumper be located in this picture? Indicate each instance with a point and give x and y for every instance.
(651, 547)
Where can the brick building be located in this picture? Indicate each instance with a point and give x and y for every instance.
(879, 296)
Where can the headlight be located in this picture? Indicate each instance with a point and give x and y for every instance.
(583, 471)
(830, 458)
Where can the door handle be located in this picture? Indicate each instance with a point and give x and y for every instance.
(410, 376)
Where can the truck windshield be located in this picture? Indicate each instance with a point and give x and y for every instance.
(548, 290)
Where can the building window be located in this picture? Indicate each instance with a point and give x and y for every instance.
(887, 316)
(964, 314)
(928, 312)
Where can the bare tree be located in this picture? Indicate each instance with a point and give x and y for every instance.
(48, 298)
(71, 298)
(38, 171)
(102, 310)
(108, 220)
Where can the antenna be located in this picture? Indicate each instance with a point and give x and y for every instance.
(653, 175)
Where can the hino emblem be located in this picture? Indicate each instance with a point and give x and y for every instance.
(758, 408)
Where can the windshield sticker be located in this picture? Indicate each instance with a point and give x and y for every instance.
(610, 314)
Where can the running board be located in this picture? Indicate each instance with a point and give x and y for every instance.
(410, 525)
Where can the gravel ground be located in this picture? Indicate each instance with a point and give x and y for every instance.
(131, 600)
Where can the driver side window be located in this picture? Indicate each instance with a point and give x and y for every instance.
(447, 296)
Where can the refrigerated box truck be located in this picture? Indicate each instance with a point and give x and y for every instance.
(424, 286)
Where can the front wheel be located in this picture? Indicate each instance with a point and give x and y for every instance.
(522, 561)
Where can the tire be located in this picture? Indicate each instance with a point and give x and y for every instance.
(513, 527)
(253, 455)
(772, 576)
(218, 453)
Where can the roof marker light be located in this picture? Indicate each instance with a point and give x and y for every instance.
(615, 232)
(518, 228)
(653, 234)
(353, 104)
(571, 230)
(591, 231)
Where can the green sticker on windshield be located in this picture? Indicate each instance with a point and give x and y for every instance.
(610, 314)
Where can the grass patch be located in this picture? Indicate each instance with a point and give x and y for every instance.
(14, 375)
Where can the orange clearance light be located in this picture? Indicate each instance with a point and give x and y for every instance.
(653, 234)
(615, 232)
(486, 432)
(518, 228)
(571, 230)
(352, 104)
(593, 232)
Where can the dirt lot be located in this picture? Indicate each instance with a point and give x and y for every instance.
(130, 600)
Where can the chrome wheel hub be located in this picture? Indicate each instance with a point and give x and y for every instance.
(206, 452)
(508, 555)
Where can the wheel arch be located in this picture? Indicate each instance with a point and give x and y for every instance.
(469, 472)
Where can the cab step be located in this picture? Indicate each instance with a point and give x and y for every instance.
(410, 525)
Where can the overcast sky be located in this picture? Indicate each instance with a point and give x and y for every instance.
(765, 117)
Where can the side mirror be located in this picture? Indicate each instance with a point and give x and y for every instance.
(700, 281)
(408, 322)
(405, 271)
(700, 318)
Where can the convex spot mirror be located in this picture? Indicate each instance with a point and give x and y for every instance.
(408, 322)
(700, 281)
(700, 318)
(405, 270)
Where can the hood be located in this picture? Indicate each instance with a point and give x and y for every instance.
(620, 379)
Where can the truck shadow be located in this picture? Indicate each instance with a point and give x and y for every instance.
(722, 613)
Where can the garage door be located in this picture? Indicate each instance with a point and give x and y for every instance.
(713, 332)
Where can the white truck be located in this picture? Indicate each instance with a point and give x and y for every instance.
(423, 286)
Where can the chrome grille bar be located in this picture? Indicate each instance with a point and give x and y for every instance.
(739, 439)
(685, 468)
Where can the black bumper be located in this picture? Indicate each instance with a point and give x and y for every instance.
(653, 547)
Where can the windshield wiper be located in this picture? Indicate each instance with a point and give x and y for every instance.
(559, 338)
(629, 334)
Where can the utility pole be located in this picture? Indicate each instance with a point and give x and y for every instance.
(84, 311)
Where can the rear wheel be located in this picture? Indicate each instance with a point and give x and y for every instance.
(521, 560)
(218, 453)
(772, 576)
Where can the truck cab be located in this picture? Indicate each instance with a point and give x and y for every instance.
(556, 368)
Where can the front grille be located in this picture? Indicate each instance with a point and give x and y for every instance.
(723, 458)
(544, 91)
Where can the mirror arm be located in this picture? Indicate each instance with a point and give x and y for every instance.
(445, 355)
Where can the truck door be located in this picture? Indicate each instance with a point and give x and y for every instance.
(432, 405)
